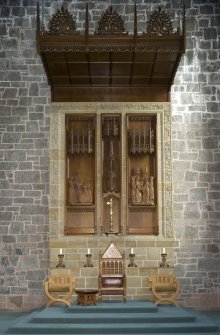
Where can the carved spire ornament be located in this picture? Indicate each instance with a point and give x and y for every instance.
(159, 24)
(62, 23)
(111, 23)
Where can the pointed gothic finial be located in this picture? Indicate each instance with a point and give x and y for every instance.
(38, 26)
(184, 24)
(38, 17)
(135, 19)
(87, 21)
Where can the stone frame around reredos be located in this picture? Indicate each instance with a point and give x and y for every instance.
(57, 160)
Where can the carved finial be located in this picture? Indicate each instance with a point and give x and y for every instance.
(38, 18)
(135, 19)
(183, 20)
(38, 26)
(159, 23)
(111, 23)
(62, 23)
(87, 21)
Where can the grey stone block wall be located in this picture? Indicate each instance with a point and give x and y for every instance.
(24, 160)
(196, 160)
(24, 148)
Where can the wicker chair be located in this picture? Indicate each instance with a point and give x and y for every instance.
(165, 288)
(59, 288)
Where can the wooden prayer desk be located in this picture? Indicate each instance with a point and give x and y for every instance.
(86, 296)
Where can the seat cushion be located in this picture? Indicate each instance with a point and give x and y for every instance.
(112, 282)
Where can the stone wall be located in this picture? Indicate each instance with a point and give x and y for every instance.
(196, 158)
(24, 157)
(24, 160)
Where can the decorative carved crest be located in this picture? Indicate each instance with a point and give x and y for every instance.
(111, 23)
(112, 252)
(159, 24)
(62, 23)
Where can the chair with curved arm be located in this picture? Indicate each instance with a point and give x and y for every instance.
(59, 288)
(165, 288)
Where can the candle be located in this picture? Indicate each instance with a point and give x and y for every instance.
(164, 251)
(132, 251)
(61, 251)
(88, 252)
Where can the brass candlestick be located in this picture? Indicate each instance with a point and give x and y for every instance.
(88, 261)
(60, 264)
(111, 227)
(164, 261)
(132, 263)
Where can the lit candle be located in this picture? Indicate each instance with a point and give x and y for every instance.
(88, 252)
(61, 251)
(132, 251)
(164, 251)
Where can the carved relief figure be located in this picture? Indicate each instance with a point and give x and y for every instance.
(79, 193)
(88, 192)
(72, 195)
(133, 190)
(77, 188)
(141, 188)
(138, 187)
(152, 190)
(146, 190)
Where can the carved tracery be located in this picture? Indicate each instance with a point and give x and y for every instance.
(159, 23)
(111, 23)
(62, 23)
(141, 140)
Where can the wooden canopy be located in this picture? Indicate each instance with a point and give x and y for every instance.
(110, 65)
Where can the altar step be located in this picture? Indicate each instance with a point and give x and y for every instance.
(134, 318)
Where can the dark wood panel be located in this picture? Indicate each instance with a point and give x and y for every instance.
(79, 231)
(117, 94)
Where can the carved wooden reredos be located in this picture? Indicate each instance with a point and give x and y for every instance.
(110, 174)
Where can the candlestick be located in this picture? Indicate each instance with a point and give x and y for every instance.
(88, 261)
(132, 263)
(60, 263)
(164, 260)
